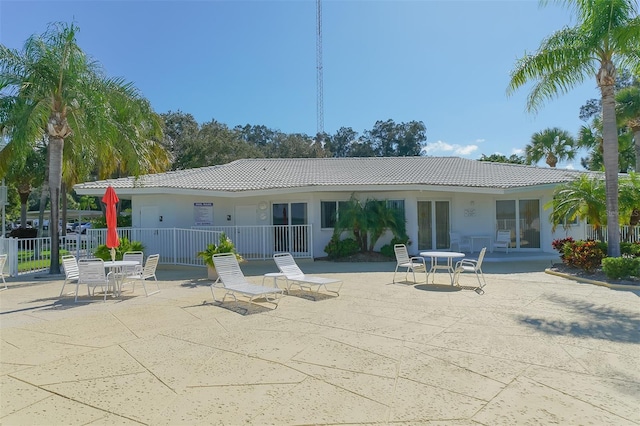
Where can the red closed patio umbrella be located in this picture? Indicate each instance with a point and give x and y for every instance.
(110, 199)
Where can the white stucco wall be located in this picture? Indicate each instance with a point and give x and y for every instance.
(470, 213)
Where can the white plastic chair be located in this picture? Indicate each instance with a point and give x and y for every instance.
(471, 265)
(70, 267)
(136, 256)
(141, 273)
(503, 240)
(455, 239)
(92, 273)
(3, 261)
(403, 260)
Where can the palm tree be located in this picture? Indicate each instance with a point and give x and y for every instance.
(51, 88)
(607, 36)
(628, 113)
(551, 144)
(368, 221)
(582, 199)
(590, 137)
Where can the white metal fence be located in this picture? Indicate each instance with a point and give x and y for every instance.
(175, 245)
(627, 233)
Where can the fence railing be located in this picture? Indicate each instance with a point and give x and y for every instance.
(176, 246)
(627, 233)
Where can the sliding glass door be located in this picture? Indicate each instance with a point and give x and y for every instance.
(433, 225)
(522, 218)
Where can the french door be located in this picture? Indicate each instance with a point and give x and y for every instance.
(287, 236)
(433, 225)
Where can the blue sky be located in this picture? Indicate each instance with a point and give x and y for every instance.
(445, 63)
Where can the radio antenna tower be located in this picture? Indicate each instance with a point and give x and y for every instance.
(319, 77)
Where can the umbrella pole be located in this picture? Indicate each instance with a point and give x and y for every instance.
(113, 254)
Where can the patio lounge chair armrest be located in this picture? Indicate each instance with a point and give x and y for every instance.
(418, 259)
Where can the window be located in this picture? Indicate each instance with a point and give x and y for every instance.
(569, 222)
(396, 205)
(329, 211)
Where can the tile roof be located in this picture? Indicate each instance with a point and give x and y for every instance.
(288, 173)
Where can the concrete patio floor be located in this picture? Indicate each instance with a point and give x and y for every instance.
(534, 349)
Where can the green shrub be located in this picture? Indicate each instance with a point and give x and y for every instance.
(619, 268)
(103, 252)
(630, 249)
(585, 255)
(387, 249)
(341, 248)
(225, 245)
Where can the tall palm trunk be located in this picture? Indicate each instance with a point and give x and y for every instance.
(606, 80)
(23, 192)
(56, 145)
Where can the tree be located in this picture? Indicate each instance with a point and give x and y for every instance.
(339, 144)
(582, 198)
(179, 130)
(51, 87)
(389, 139)
(628, 113)
(499, 158)
(552, 145)
(607, 35)
(368, 221)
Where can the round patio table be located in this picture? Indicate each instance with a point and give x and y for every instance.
(448, 266)
(117, 266)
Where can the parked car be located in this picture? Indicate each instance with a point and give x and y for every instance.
(82, 228)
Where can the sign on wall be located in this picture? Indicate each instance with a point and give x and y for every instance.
(203, 214)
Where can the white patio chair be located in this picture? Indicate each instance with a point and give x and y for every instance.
(231, 279)
(3, 261)
(503, 240)
(471, 265)
(70, 267)
(294, 275)
(142, 273)
(403, 260)
(136, 256)
(455, 239)
(92, 273)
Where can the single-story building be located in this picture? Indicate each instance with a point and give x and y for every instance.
(271, 205)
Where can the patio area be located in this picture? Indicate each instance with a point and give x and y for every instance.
(534, 349)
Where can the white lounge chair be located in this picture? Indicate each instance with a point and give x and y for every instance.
(3, 261)
(503, 240)
(231, 279)
(70, 266)
(411, 263)
(471, 265)
(293, 275)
